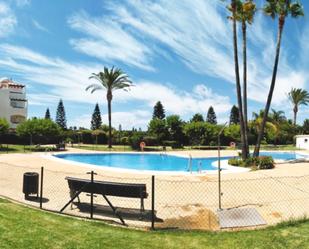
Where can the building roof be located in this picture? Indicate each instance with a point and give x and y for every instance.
(9, 83)
(304, 136)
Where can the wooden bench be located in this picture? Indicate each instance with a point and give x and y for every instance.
(104, 188)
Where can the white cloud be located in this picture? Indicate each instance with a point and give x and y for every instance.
(108, 41)
(68, 81)
(39, 26)
(200, 34)
(8, 20)
(128, 120)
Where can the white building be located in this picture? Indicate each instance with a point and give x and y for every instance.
(13, 102)
(302, 142)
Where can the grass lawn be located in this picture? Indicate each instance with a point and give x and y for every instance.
(23, 227)
(13, 148)
(16, 148)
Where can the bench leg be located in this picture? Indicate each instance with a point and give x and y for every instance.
(72, 199)
(114, 209)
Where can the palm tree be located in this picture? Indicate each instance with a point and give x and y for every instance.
(233, 8)
(280, 9)
(298, 97)
(245, 12)
(110, 80)
(277, 116)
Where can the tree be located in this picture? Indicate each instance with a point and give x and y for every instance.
(277, 116)
(175, 127)
(244, 13)
(201, 133)
(280, 9)
(306, 126)
(110, 80)
(211, 116)
(41, 128)
(4, 126)
(234, 115)
(158, 111)
(47, 114)
(96, 120)
(197, 118)
(60, 116)
(244, 140)
(298, 97)
(158, 128)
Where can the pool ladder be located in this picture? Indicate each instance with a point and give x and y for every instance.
(190, 164)
(199, 166)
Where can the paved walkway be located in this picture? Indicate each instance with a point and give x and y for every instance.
(184, 201)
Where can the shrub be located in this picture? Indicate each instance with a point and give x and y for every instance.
(266, 162)
(150, 140)
(263, 162)
(124, 140)
(235, 161)
(250, 161)
(135, 140)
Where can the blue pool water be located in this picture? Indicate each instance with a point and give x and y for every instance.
(157, 162)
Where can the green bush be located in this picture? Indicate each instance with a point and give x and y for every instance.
(124, 140)
(235, 161)
(263, 162)
(266, 162)
(150, 140)
(135, 140)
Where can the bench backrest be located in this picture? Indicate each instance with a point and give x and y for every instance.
(131, 190)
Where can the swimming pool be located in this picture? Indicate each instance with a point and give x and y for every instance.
(158, 162)
(143, 161)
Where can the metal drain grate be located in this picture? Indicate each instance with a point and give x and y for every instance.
(240, 217)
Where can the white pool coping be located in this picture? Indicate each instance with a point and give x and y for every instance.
(226, 168)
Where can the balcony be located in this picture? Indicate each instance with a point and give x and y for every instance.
(17, 119)
(18, 103)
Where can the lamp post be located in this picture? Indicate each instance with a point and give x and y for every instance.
(219, 165)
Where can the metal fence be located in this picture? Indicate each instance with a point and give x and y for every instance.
(184, 202)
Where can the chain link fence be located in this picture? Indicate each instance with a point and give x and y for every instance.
(183, 202)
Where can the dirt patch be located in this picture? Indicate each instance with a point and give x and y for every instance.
(276, 215)
(203, 219)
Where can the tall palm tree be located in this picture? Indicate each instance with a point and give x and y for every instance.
(233, 8)
(110, 80)
(280, 9)
(298, 97)
(245, 11)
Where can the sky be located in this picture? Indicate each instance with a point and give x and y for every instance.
(176, 52)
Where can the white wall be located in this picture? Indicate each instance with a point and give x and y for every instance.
(6, 109)
(302, 142)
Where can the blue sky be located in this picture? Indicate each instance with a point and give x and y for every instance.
(179, 52)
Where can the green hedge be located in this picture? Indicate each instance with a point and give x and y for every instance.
(262, 162)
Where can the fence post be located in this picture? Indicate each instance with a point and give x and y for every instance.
(91, 194)
(219, 166)
(153, 202)
(41, 188)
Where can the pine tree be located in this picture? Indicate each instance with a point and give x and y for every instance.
(234, 116)
(47, 114)
(211, 116)
(60, 116)
(96, 120)
(158, 111)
